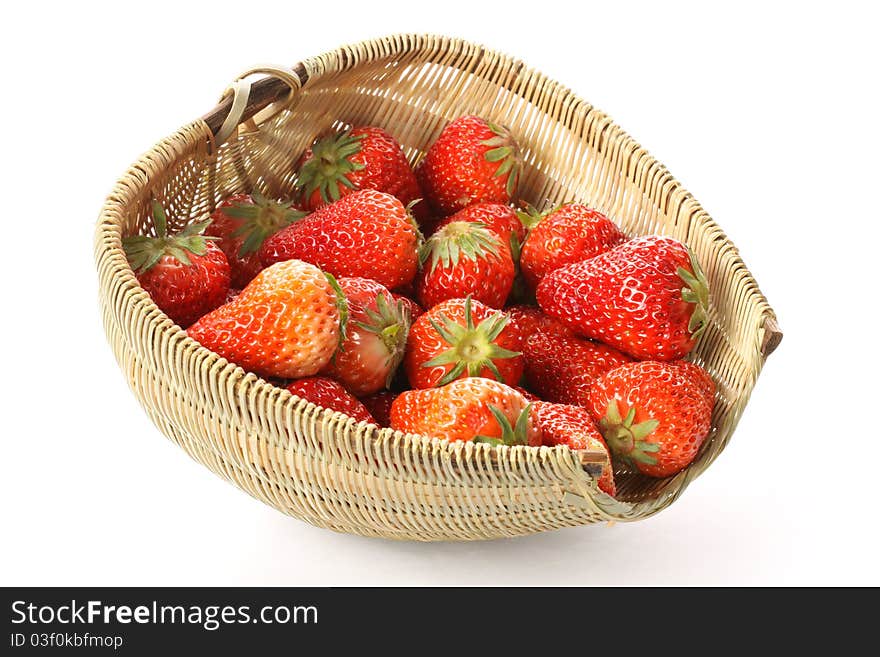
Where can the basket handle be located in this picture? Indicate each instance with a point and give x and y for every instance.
(242, 101)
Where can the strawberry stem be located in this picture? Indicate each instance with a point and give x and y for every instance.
(472, 347)
(696, 291)
(517, 434)
(391, 322)
(627, 440)
(341, 307)
(144, 251)
(460, 239)
(260, 220)
(330, 166)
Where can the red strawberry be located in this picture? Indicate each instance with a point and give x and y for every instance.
(464, 258)
(654, 415)
(379, 405)
(475, 409)
(330, 394)
(530, 320)
(375, 337)
(285, 323)
(243, 222)
(361, 158)
(500, 219)
(415, 310)
(562, 368)
(561, 424)
(472, 161)
(231, 294)
(186, 274)
(462, 338)
(367, 234)
(648, 297)
(569, 233)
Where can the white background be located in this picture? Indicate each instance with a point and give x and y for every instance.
(766, 112)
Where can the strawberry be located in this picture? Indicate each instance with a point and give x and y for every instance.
(569, 233)
(330, 394)
(472, 161)
(647, 297)
(231, 294)
(360, 158)
(562, 368)
(500, 219)
(285, 323)
(379, 406)
(243, 222)
(366, 234)
(464, 258)
(375, 337)
(462, 338)
(654, 415)
(475, 409)
(561, 424)
(186, 274)
(530, 320)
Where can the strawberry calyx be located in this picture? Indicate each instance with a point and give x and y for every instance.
(330, 166)
(510, 435)
(627, 440)
(341, 307)
(144, 251)
(260, 220)
(696, 291)
(411, 219)
(468, 239)
(503, 149)
(530, 216)
(472, 347)
(390, 322)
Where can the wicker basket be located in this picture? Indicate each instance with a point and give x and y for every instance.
(321, 466)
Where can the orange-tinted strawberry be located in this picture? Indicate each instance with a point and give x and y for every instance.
(330, 394)
(569, 233)
(461, 338)
(242, 223)
(530, 320)
(375, 337)
(379, 405)
(654, 415)
(366, 234)
(361, 158)
(562, 424)
(467, 409)
(285, 323)
(562, 368)
(186, 274)
(472, 161)
(647, 297)
(462, 259)
(501, 219)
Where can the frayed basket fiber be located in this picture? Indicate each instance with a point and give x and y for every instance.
(321, 466)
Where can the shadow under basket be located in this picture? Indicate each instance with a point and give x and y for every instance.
(321, 466)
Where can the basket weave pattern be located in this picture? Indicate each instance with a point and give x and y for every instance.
(321, 466)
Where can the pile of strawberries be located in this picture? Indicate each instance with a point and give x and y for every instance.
(512, 326)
